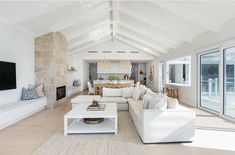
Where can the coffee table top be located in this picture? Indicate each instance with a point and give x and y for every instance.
(80, 111)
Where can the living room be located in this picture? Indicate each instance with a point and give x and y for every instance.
(117, 77)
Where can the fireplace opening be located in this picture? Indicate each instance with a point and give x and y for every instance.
(60, 92)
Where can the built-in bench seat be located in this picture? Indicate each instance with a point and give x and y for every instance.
(16, 111)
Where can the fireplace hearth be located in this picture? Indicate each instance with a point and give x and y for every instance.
(60, 92)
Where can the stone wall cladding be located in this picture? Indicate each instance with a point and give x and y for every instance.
(50, 64)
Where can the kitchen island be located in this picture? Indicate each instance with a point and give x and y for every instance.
(99, 84)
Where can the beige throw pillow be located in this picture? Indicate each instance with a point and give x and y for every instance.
(39, 89)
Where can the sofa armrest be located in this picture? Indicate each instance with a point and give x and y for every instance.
(168, 125)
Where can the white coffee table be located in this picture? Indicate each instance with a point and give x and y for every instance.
(109, 125)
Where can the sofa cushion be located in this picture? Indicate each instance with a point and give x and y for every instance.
(112, 92)
(158, 102)
(118, 100)
(146, 100)
(150, 92)
(137, 107)
(172, 103)
(136, 94)
(127, 92)
(143, 90)
(85, 99)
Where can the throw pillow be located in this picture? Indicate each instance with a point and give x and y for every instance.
(29, 94)
(127, 92)
(158, 102)
(172, 103)
(143, 90)
(146, 100)
(39, 89)
(136, 94)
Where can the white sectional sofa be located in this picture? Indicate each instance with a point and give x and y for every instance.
(175, 124)
(162, 125)
(16, 111)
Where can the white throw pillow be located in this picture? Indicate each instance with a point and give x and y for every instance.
(143, 90)
(127, 92)
(112, 92)
(150, 92)
(39, 89)
(172, 103)
(146, 100)
(136, 94)
(158, 102)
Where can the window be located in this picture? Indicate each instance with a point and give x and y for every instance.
(178, 71)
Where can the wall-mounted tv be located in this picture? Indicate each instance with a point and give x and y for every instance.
(7, 75)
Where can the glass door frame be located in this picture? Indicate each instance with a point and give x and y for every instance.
(222, 81)
(214, 50)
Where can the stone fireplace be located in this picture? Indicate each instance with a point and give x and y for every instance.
(50, 65)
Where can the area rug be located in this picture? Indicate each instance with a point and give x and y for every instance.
(127, 141)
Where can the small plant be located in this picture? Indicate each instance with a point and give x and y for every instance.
(113, 77)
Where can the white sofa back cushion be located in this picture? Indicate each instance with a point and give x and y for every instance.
(158, 102)
(136, 94)
(150, 92)
(143, 90)
(146, 100)
(112, 92)
(127, 92)
(172, 103)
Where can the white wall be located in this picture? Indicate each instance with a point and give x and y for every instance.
(17, 47)
(77, 59)
(188, 94)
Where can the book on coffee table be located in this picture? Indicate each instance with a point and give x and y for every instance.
(100, 107)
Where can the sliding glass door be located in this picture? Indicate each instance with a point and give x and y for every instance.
(229, 82)
(209, 81)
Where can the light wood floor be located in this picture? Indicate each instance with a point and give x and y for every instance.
(26, 136)
(29, 134)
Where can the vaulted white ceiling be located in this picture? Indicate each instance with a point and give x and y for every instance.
(154, 27)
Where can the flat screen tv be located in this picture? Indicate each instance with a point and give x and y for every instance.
(7, 75)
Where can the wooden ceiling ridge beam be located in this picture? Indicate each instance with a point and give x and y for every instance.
(115, 17)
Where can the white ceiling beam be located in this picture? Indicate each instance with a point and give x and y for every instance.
(188, 15)
(87, 39)
(137, 46)
(158, 26)
(92, 14)
(90, 39)
(141, 41)
(52, 6)
(115, 17)
(167, 42)
(90, 45)
(155, 40)
(87, 30)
